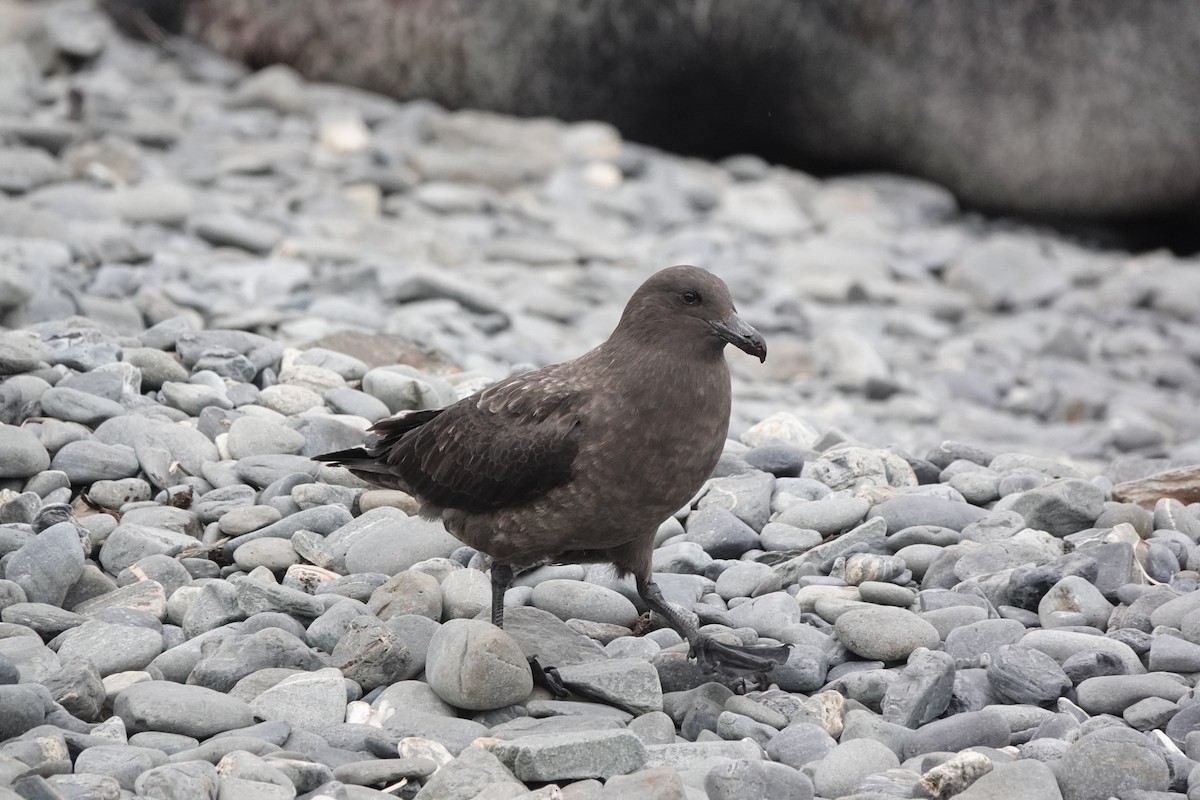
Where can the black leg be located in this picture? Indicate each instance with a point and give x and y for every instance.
(735, 660)
(502, 578)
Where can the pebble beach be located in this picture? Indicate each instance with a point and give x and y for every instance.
(964, 486)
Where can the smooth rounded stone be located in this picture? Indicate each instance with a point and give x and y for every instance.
(994, 557)
(474, 665)
(779, 459)
(142, 598)
(409, 592)
(244, 519)
(1183, 722)
(1073, 599)
(947, 620)
(909, 510)
(235, 657)
(155, 366)
(800, 744)
(654, 727)
(465, 594)
(385, 540)
(723, 533)
(922, 535)
(191, 448)
(1173, 654)
(253, 436)
(43, 618)
(1082, 666)
(829, 515)
(1061, 645)
(371, 654)
(308, 701)
(273, 554)
(1059, 508)
(1172, 613)
(180, 709)
(112, 648)
(181, 779)
(355, 403)
(741, 579)
(47, 566)
(1025, 675)
(122, 762)
(22, 351)
(87, 461)
(214, 505)
(1023, 778)
(746, 778)
(452, 733)
(325, 631)
(23, 709)
(1153, 712)
(1109, 763)
(416, 695)
(735, 727)
(777, 536)
(571, 756)
(114, 494)
(884, 633)
(773, 614)
(922, 690)
(467, 775)
(628, 683)
(1112, 694)
(858, 568)
(264, 470)
(680, 558)
(192, 398)
(581, 600)
(844, 768)
(72, 405)
(983, 728)
(24, 455)
(384, 771)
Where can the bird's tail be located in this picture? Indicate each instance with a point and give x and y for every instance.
(372, 456)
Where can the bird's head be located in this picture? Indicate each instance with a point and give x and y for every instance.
(693, 303)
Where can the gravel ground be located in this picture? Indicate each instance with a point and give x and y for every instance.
(964, 486)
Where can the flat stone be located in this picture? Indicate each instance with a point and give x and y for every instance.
(181, 709)
(112, 648)
(24, 455)
(571, 756)
(308, 701)
(1109, 763)
(628, 683)
(884, 633)
(581, 600)
(47, 566)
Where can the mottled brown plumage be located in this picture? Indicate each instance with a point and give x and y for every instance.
(581, 461)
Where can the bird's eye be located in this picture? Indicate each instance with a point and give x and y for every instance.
(690, 298)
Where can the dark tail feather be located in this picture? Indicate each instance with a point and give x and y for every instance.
(344, 457)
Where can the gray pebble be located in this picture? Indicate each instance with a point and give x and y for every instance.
(193, 711)
(472, 664)
(24, 455)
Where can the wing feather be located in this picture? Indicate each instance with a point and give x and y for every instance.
(503, 447)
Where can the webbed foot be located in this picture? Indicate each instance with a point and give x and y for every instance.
(548, 678)
(737, 660)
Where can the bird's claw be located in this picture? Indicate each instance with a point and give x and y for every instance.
(737, 660)
(548, 678)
